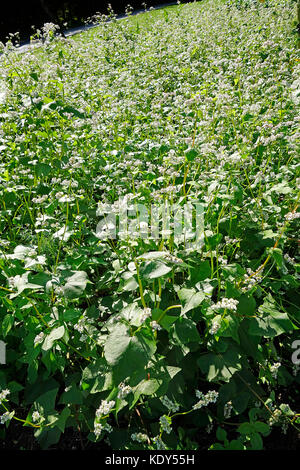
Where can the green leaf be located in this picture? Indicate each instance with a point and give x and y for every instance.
(167, 321)
(272, 325)
(154, 255)
(246, 305)
(133, 314)
(185, 331)
(97, 376)
(235, 445)
(71, 110)
(35, 76)
(191, 154)
(229, 328)
(256, 441)
(201, 272)
(46, 402)
(246, 428)
(61, 422)
(47, 437)
(21, 283)
(147, 387)
(55, 334)
(220, 367)
(154, 269)
(75, 285)
(212, 241)
(261, 427)
(127, 354)
(285, 408)
(190, 299)
(7, 324)
(217, 446)
(249, 344)
(277, 255)
(42, 169)
(221, 434)
(72, 395)
(240, 402)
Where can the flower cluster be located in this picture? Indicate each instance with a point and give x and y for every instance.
(146, 314)
(205, 399)
(158, 443)
(292, 215)
(250, 279)
(105, 408)
(227, 409)
(172, 407)
(100, 428)
(189, 105)
(214, 327)
(5, 417)
(3, 395)
(229, 304)
(276, 416)
(124, 390)
(83, 323)
(36, 416)
(165, 423)
(139, 437)
(155, 326)
(274, 369)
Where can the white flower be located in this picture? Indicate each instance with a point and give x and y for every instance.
(158, 443)
(210, 397)
(227, 409)
(277, 413)
(108, 428)
(155, 326)
(63, 234)
(292, 215)
(251, 279)
(5, 417)
(209, 428)
(98, 428)
(165, 423)
(124, 390)
(36, 416)
(105, 408)
(214, 328)
(4, 394)
(146, 314)
(169, 404)
(139, 437)
(274, 369)
(83, 323)
(229, 304)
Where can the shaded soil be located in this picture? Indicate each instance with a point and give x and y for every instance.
(20, 438)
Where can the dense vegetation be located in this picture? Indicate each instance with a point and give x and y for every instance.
(138, 342)
(22, 16)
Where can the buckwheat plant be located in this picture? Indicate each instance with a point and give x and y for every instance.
(149, 219)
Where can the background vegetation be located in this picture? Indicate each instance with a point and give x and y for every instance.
(136, 342)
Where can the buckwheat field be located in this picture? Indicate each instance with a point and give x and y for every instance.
(149, 231)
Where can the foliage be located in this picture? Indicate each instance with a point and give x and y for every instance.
(149, 343)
